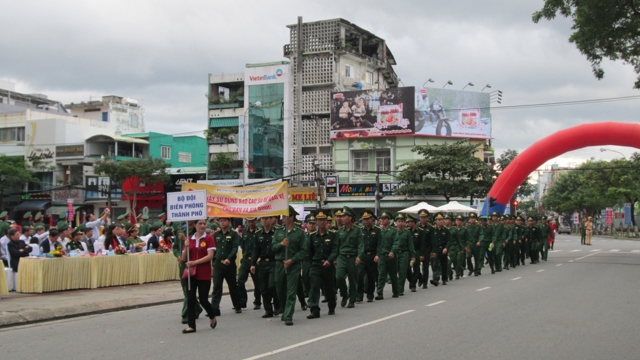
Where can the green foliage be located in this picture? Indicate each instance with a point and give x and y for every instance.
(147, 170)
(14, 173)
(528, 206)
(595, 186)
(602, 29)
(221, 163)
(526, 188)
(450, 170)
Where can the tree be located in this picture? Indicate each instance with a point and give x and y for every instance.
(572, 192)
(14, 173)
(602, 29)
(526, 188)
(136, 171)
(221, 163)
(450, 170)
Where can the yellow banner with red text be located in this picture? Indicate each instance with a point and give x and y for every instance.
(248, 201)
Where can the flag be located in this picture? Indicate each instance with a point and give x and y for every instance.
(250, 168)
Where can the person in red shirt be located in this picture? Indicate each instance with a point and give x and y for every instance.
(552, 233)
(201, 248)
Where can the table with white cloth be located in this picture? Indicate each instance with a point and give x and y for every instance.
(38, 275)
(4, 281)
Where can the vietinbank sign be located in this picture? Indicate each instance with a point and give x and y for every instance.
(275, 76)
(269, 74)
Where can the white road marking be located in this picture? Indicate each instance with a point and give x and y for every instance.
(518, 278)
(567, 240)
(555, 250)
(326, 336)
(484, 288)
(635, 251)
(596, 250)
(587, 256)
(559, 265)
(575, 250)
(570, 260)
(540, 270)
(435, 303)
(614, 250)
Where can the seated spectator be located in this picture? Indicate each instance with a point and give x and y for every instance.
(134, 240)
(64, 236)
(153, 243)
(52, 242)
(167, 239)
(27, 232)
(87, 239)
(17, 248)
(115, 237)
(76, 242)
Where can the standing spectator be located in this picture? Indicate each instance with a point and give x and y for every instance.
(27, 232)
(94, 224)
(589, 230)
(17, 248)
(552, 234)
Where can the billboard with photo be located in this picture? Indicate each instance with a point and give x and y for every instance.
(452, 113)
(372, 113)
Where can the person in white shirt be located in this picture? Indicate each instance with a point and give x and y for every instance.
(64, 238)
(27, 232)
(40, 234)
(94, 223)
(4, 241)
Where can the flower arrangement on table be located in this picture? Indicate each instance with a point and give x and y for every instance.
(58, 253)
(163, 249)
(120, 250)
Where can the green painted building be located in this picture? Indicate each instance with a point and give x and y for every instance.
(180, 151)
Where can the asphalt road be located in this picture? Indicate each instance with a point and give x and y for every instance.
(581, 304)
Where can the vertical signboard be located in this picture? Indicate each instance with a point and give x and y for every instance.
(609, 216)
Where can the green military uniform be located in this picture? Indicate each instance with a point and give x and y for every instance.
(27, 222)
(75, 245)
(213, 225)
(486, 239)
(441, 240)
(62, 224)
(533, 235)
(474, 236)
(545, 231)
(306, 264)
(404, 251)
(38, 220)
(249, 239)
(287, 279)
(226, 249)
(500, 236)
(132, 241)
(427, 229)
(160, 222)
(176, 248)
(266, 270)
(349, 247)
(4, 224)
(509, 240)
(323, 251)
(417, 235)
(368, 266)
(144, 226)
(521, 245)
(458, 250)
(387, 266)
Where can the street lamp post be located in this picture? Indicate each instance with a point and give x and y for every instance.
(486, 87)
(428, 81)
(605, 149)
(245, 145)
(469, 84)
(448, 83)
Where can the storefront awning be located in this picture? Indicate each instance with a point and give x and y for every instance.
(113, 138)
(370, 204)
(32, 205)
(57, 210)
(223, 122)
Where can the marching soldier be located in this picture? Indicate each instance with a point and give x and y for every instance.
(404, 251)
(249, 239)
(323, 251)
(508, 246)
(486, 241)
(452, 255)
(533, 235)
(499, 239)
(459, 238)
(350, 245)
(418, 237)
(441, 238)
(329, 222)
(291, 247)
(545, 231)
(387, 263)
(224, 266)
(371, 236)
(521, 243)
(474, 244)
(426, 228)
(310, 221)
(265, 269)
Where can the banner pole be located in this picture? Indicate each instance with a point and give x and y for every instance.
(188, 271)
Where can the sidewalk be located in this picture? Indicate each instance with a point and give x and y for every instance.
(20, 309)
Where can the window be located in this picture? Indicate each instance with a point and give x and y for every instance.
(360, 162)
(184, 157)
(105, 116)
(348, 70)
(369, 77)
(12, 134)
(165, 152)
(134, 120)
(383, 161)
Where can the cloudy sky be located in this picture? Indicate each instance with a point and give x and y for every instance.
(160, 52)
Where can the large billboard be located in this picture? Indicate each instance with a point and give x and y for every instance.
(410, 111)
(372, 113)
(452, 113)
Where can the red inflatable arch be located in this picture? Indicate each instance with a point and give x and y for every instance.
(578, 137)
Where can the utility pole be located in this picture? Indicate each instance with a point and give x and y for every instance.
(378, 194)
(298, 100)
(318, 189)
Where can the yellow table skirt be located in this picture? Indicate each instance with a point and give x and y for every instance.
(38, 275)
(4, 288)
